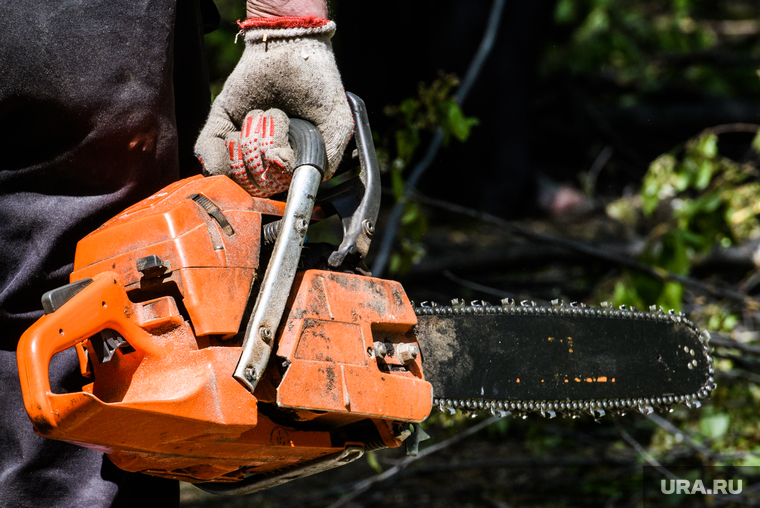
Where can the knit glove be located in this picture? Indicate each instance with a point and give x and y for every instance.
(287, 64)
(260, 159)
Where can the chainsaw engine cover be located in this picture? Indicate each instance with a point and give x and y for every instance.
(161, 293)
(197, 238)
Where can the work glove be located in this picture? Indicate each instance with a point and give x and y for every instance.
(260, 159)
(287, 64)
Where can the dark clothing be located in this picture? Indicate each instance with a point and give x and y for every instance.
(91, 96)
(36, 472)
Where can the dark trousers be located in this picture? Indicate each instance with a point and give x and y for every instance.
(100, 105)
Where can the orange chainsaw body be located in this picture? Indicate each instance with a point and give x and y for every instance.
(164, 401)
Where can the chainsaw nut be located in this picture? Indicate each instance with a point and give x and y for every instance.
(301, 226)
(380, 350)
(407, 352)
(368, 227)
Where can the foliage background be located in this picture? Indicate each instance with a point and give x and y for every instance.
(650, 107)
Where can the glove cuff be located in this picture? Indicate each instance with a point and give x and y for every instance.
(257, 29)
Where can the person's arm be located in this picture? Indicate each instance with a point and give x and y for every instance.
(278, 8)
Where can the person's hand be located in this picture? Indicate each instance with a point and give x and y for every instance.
(287, 64)
(261, 150)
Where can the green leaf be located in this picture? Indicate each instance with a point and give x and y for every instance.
(649, 200)
(730, 322)
(623, 210)
(674, 255)
(626, 294)
(658, 182)
(394, 265)
(683, 180)
(711, 202)
(373, 462)
(708, 145)
(671, 296)
(565, 13)
(409, 108)
(407, 141)
(397, 183)
(454, 122)
(756, 142)
(597, 22)
(704, 175)
(714, 426)
(411, 214)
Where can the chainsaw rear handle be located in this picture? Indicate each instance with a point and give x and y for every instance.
(102, 304)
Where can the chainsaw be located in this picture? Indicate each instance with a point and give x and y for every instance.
(222, 349)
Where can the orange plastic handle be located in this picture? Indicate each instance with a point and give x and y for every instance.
(103, 304)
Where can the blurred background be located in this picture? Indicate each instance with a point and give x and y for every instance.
(582, 150)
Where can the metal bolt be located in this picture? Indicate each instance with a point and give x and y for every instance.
(380, 349)
(250, 374)
(407, 352)
(301, 226)
(368, 227)
(266, 334)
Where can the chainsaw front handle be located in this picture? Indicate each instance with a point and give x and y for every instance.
(103, 304)
(311, 159)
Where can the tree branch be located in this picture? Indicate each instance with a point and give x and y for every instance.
(362, 486)
(723, 340)
(643, 453)
(657, 273)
